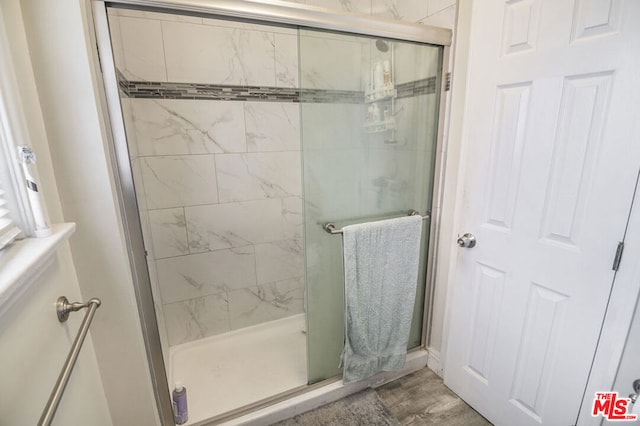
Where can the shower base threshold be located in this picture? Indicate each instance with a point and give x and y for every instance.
(231, 370)
(329, 391)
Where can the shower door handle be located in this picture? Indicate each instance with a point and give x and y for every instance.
(467, 241)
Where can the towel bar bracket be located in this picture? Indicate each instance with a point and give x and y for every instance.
(63, 307)
(331, 228)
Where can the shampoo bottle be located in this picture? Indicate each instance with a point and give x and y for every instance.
(179, 397)
(386, 67)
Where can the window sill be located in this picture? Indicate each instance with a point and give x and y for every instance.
(24, 260)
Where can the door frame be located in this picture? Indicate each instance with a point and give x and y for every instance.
(276, 13)
(620, 310)
(626, 287)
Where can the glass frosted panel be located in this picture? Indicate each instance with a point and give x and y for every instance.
(368, 118)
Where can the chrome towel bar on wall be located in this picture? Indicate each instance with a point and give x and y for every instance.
(63, 308)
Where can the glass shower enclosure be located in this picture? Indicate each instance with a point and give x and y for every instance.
(369, 111)
(243, 141)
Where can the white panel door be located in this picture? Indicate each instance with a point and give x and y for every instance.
(553, 149)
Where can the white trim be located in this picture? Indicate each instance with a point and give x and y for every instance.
(617, 321)
(11, 207)
(8, 230)
(454, 178)
(22, 262)
(437, 198)
(14, 133)
(433, 362)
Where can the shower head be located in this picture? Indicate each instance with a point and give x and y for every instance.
(382, 45)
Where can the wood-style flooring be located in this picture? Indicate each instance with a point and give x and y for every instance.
(421, 398)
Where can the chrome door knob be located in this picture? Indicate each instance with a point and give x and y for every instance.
(467, 241)
(636, 388)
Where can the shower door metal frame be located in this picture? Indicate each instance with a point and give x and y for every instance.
(274, 13)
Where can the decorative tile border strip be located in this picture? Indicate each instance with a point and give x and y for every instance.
(424, 86)
(162, 90)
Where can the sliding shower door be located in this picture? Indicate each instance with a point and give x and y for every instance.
(369, 113)
(211, 116)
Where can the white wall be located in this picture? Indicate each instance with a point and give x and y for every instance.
(33, 344)
(444, 272)
(58, 41)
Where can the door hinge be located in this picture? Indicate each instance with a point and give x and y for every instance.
(618, 257)
(447, 82)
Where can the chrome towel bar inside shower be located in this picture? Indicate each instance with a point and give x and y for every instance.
(331, 229)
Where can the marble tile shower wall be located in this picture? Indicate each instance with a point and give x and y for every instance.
(218, 182)
(166, 47)
(237, 157)
(439, 13)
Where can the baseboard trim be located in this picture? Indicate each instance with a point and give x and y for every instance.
(433, 362)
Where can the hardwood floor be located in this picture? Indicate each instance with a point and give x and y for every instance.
(421, 398)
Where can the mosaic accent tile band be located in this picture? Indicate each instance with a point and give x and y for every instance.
(162, 90)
